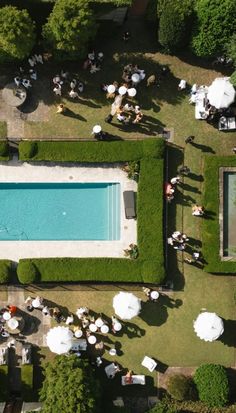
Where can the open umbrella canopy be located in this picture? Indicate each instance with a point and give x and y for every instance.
(208, 326)
(221, 93)
(59, 339)
(126, 305)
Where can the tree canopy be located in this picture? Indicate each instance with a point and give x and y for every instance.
(216, 21)
(17, 34)
(69, 28)
(69, 386)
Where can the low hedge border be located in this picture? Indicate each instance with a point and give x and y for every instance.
(4, 387)
(27, 388)
(4, 150)
(210, 227)
(149, 266)
(6, 271)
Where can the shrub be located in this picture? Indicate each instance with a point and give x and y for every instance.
(233, 78)
(4, 149)
(5, 271)
(4, 388)
(17, 35)
(180, 387)
(28, 149)
(231, 48)
(212, 384)
(174, 24)
(163, 407)
(27, 272)
(70, 28)
(216, 21)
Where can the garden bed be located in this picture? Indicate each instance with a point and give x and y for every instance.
(149, 266)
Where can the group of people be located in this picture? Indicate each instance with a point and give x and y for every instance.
(178, 240)
(38, 303)
(93, 61)
(25, 75)
(170, 187)
(63, 80)
(6, 313)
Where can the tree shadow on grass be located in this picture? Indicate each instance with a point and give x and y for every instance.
(229, 337)
(190, 188)
(156, 314)
(203, 148)
(70, 114)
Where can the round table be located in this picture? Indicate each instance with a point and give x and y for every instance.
(117, 326)
(14, 95)
(154, 295)
(13, 323)
(78, 333)
(104, 329)
(92, 327)
(92, 339)
(99, 322)
(112, 352)
(6, 316)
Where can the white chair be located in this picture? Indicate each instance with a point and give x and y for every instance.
(149, 363)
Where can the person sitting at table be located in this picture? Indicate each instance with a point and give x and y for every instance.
(56, 314)
(12, 309)
(17, 81)
(80, 87)
(26, 83)
(70, 319)
(57, 90)
(73, 94)
(128, 377)
(85, 322)
(28, 303)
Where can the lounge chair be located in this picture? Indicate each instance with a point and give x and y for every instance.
(136, 379)
(149, 363)
(26, 354)
(3, 355)
(129, 201)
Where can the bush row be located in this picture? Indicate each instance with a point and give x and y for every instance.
(93, 152)
(27, 388)
(211, 228)
(149, 267)
(6, 271)
(4, 151)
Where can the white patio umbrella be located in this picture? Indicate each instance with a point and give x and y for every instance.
(126, 305)
(221, 93)
(208, 326)
(59, 339)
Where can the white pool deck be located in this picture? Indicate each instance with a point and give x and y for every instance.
(24, 172)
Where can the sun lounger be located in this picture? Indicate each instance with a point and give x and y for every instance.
(3, 355)
(136, 379)
(129, 201)
(26, 354)
(149, 363)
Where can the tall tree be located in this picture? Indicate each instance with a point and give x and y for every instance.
(69, 386)
(17, 34)
(216, 21)
(69, 29)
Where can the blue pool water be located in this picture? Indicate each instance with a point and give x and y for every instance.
(59, 211)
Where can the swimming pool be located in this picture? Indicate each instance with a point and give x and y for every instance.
(59, 211)
(229, 214)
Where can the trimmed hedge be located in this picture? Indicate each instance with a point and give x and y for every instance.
(5, 271)
(4, 151)
(93, 152)
(212, 384)
(149, 266)
(4, 385)
(210, 227)
(27, 389)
